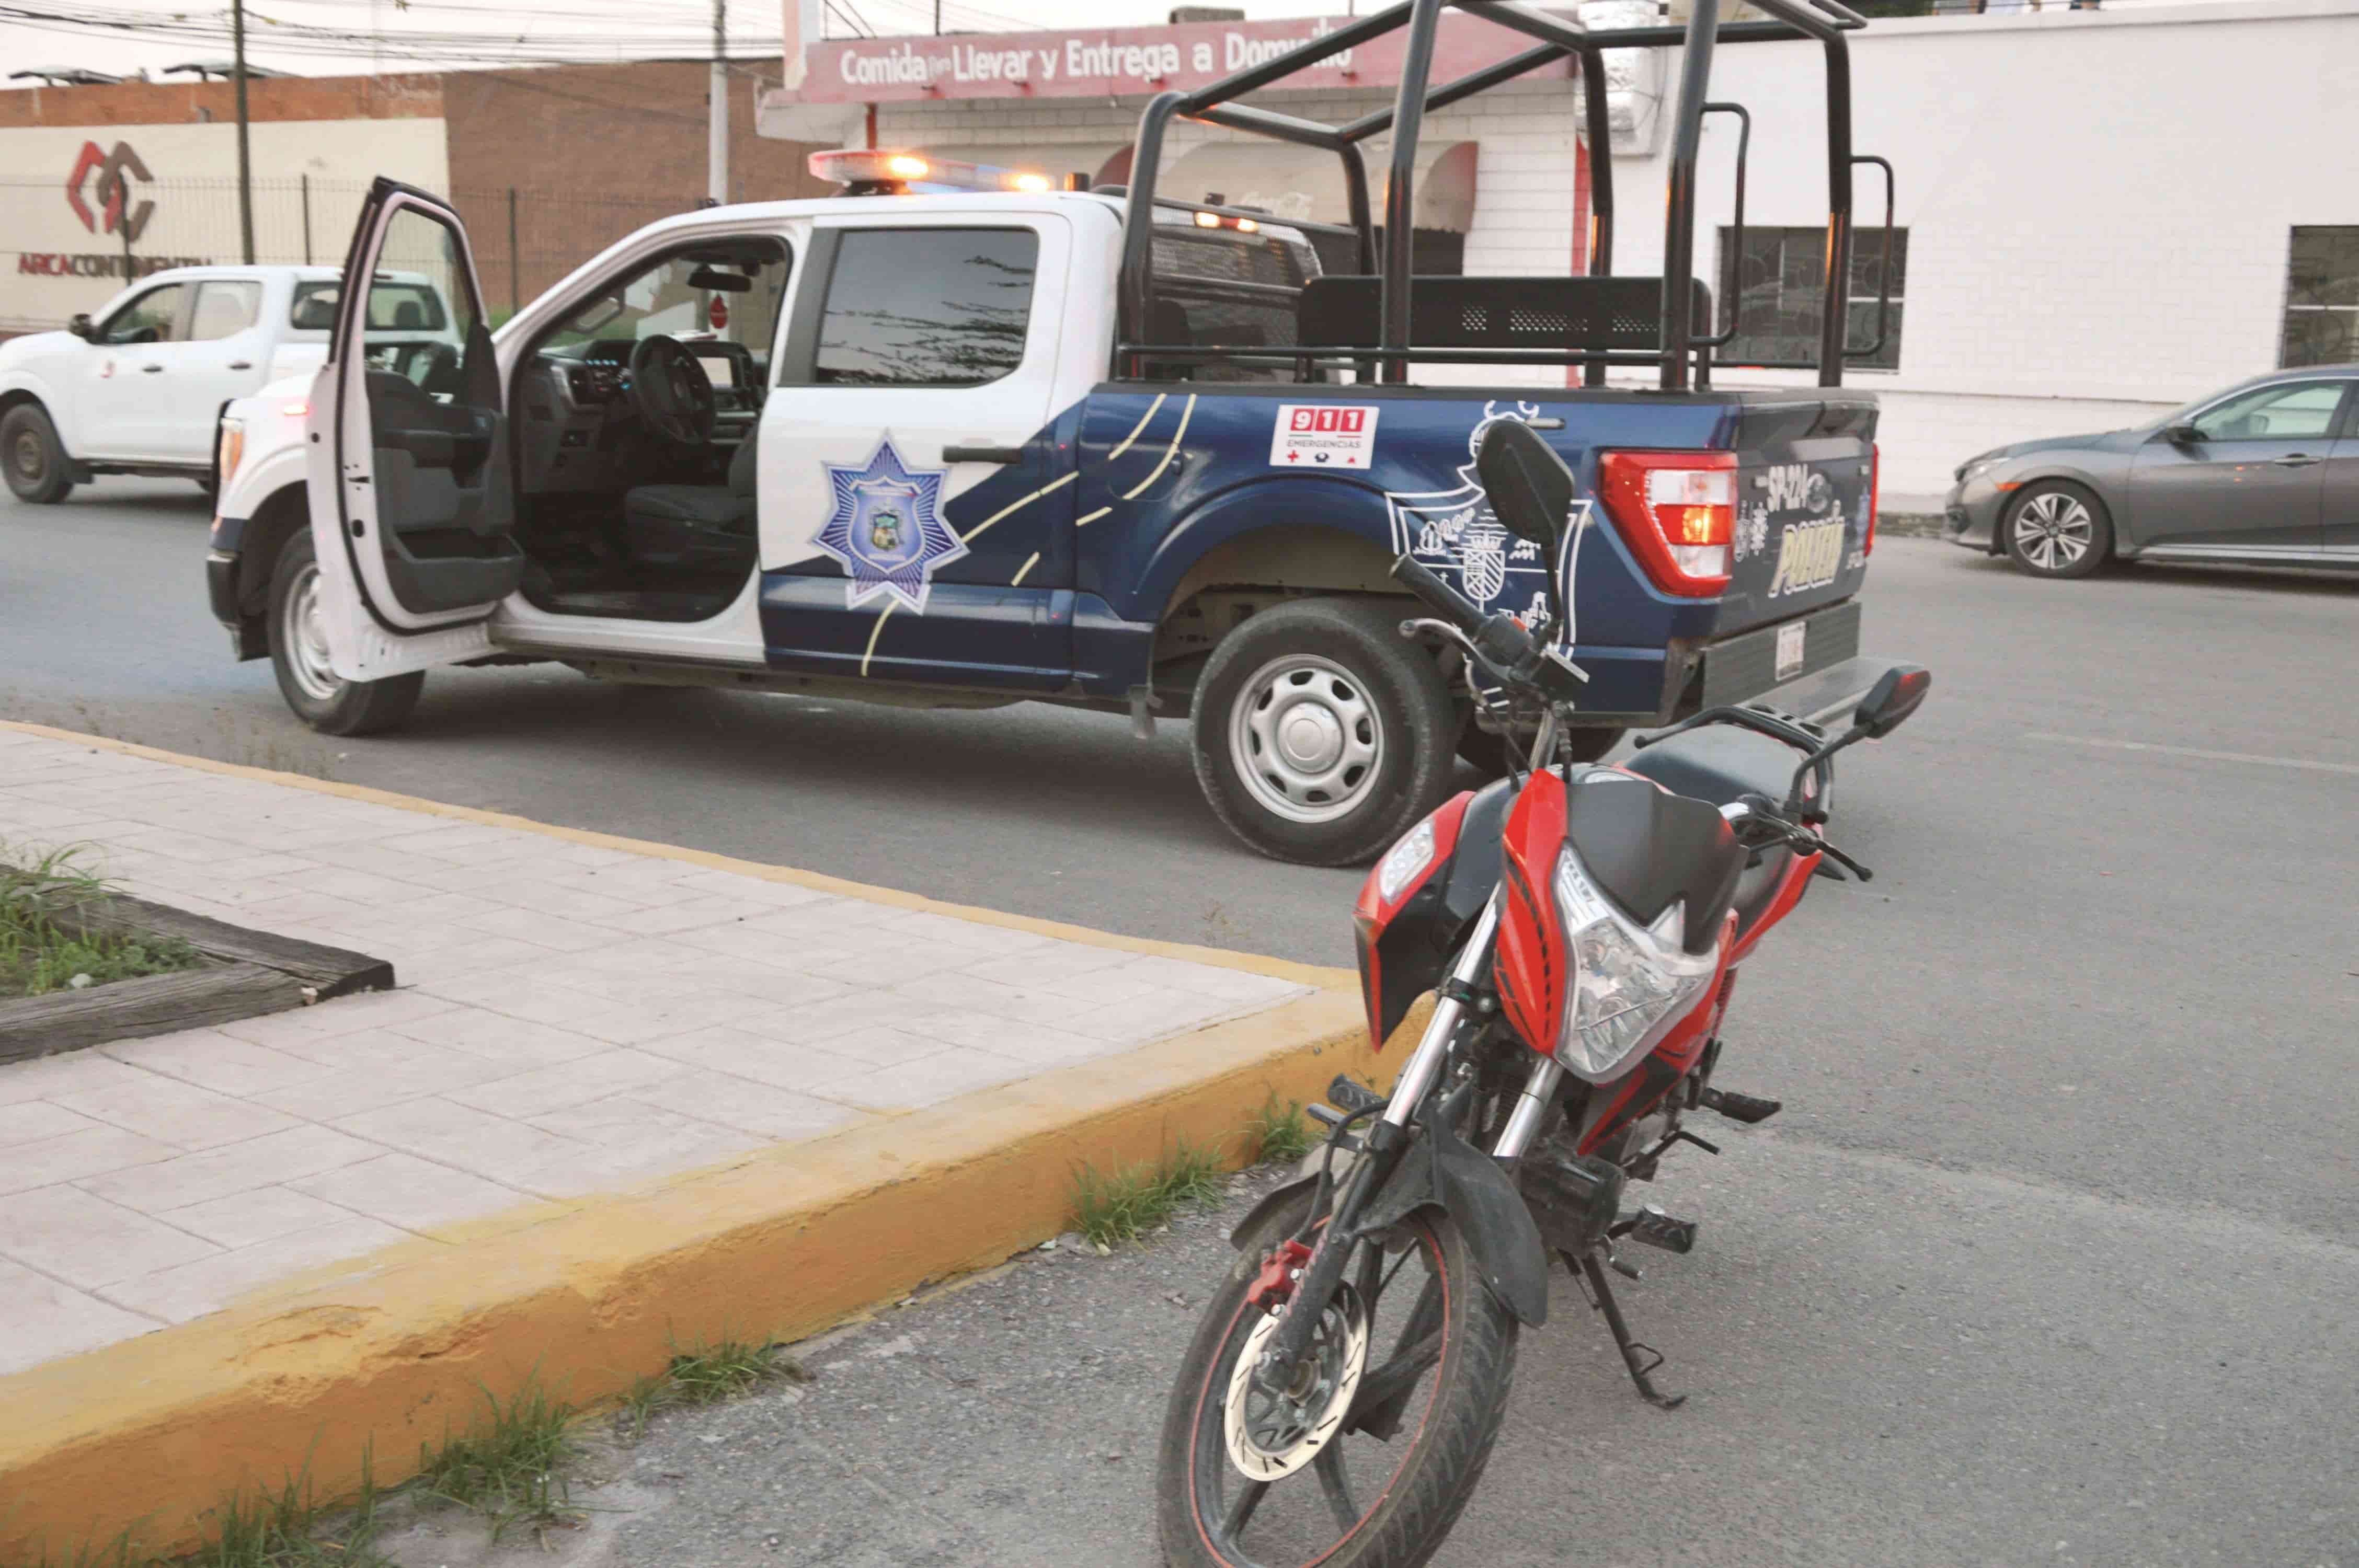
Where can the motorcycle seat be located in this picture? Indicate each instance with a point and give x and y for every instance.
(1719, 763)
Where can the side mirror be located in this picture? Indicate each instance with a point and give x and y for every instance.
(2182, 435)
(1529, 486)
(80, 327)
(1901, 692)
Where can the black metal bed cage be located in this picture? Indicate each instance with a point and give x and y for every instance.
(1391, 319)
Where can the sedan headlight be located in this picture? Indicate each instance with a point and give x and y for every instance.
(1630, 983)
(229, 452)
(1973, 466)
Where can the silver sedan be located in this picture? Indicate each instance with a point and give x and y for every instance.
(2264, 474)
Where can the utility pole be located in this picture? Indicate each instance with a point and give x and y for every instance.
(716, 152)
(245, 157)
(938, 19)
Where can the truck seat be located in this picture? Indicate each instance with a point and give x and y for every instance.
(709, 527)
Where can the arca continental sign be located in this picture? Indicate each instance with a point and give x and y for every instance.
(100, 191)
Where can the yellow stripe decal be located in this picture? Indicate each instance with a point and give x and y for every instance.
(1015, 506)
(874, 632)
(1025, 571)
(1085, 522)
(1178, 435)
(1132, 438)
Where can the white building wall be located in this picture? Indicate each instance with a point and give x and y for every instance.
(2098, 201)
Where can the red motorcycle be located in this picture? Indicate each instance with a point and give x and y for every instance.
(1580, 928)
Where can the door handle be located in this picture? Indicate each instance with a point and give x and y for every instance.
(241, 364)
(151, 370)
(982, 454)
(2294, 461)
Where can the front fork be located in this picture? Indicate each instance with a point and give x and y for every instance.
(1388, 1139)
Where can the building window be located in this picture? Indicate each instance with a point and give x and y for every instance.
(2322, 313)
(1777, 281)
(928, 307)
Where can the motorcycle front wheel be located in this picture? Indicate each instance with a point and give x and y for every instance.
(1365, 1459)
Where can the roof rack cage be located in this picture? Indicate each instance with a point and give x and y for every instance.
(1684, 342)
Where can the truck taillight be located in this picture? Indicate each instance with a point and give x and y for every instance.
(1676, 511)
(1875, 495)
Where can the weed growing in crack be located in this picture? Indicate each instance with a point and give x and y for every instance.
(1125, 1205)
(1277, 1131)
(509, 1466)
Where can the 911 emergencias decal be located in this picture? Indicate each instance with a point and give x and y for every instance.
(1323, 436)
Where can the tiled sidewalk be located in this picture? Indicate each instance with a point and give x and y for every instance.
(572, 1018)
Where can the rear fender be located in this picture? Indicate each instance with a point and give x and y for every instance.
(1444, 1172)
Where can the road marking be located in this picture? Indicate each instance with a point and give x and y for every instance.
(1186, 414)
(1085, 522)
(1025, 571)
(2301, 762)
(1131, 439)
(874, 632)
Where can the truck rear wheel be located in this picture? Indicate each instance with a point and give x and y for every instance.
(1320, 736)
(298, 657)
(37, 470)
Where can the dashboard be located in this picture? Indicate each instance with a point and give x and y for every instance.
(581, 433)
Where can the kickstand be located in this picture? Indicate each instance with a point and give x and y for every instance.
(1601, 1296)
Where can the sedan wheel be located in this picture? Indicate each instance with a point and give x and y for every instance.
(2058, 530)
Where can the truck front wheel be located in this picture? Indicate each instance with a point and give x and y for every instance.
(1320, 736)
(299, 655)
(37, 470)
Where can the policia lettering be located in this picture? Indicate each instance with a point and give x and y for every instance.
(1809, 556)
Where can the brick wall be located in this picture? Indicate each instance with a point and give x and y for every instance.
(199, 102)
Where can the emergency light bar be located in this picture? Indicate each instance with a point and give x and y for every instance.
(873, 171)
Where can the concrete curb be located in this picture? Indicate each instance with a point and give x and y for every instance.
(378, 1356)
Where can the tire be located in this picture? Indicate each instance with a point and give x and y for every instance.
(2056, 529)
(1368, 713)
(1487, 752)
(298, 657)
(34, 460)
(1435, 1455)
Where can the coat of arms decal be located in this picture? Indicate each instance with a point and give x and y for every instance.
(887, 529)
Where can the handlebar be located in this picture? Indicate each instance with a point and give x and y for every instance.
(1759, 824)
(1499, 640)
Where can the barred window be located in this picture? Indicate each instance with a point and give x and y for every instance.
(2322, 310)
(1777, 283)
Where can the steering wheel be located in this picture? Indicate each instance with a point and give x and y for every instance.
(671, 392)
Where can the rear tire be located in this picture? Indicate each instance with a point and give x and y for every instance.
(36, 461)
(1449, 1419)
(1322, 736)
(2056, 529)
(298, 657)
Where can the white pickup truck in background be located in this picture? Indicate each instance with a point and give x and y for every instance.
(137, 388)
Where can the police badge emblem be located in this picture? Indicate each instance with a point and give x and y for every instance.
(886, 530)
(1455, 531)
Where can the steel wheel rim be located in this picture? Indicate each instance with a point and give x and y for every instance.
(303, 633)
(1306, 738)
(26, 457)
(2055, 530)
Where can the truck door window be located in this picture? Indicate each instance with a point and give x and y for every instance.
(928, 307)
(224, 311)
(153, 318)
(724, 291)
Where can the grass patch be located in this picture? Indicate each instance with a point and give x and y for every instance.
(706, 1374)
(282, 1530)
(509, 1466)
(1278, 1132)
(1123, 1205)
(38, 955)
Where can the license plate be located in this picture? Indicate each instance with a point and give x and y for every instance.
(1790, 648)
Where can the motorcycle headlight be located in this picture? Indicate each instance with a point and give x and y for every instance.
(1405, 859)
(1630, 983)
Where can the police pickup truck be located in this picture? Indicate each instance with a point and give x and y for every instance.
(960, 438)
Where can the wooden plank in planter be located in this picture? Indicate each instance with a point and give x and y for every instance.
(329, 971)
(152, 1004)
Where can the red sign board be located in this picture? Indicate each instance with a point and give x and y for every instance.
(1118, 61)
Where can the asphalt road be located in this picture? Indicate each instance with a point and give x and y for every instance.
(2050, 1258)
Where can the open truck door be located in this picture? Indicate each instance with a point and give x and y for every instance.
(412, 497)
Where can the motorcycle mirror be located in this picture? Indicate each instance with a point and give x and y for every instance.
(1530, 487)
(1900, 692)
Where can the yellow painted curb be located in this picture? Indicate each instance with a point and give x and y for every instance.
(384, 1353)
(1283, 969)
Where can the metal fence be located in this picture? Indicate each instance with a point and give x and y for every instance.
(62, 258)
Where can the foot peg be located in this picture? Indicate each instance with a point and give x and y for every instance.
(1741, 1108)
(1652, 1227)
(1351, 1096)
